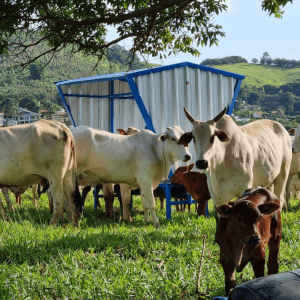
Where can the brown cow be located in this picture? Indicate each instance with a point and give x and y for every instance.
(195, 184)
(245, 227)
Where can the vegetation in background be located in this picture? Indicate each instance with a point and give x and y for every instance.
(34, 87)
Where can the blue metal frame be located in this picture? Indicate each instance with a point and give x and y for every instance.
(140, 103)
(166, 186)
(111, 105)
(66, 105)
(236, 92)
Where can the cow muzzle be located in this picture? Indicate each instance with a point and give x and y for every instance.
(202, 164)
(254, 240)
(187, 157)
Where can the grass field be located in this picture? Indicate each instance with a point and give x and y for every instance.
(110, 259)
(260, 75)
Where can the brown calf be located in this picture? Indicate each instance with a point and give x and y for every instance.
(195, 184)
(245, 227)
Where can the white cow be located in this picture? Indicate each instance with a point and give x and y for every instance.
(41, 150)
(294, 174)
(141, 160)
(240, 157)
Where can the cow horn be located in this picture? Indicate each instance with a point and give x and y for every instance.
(220, 115)
(191, 119)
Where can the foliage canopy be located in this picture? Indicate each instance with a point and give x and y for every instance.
(156, 27)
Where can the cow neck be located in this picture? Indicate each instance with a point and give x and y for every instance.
(224, 149)
(161, 157)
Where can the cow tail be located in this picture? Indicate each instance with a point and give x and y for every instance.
(76, 196)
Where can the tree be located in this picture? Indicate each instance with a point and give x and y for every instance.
(265, 58)
(155, 26)
(255, 60)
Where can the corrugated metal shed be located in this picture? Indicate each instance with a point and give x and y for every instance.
(150, 98)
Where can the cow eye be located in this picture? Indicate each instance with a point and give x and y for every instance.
(240, 219)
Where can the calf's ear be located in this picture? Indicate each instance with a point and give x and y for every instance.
(185, 139)
(162, 137)
(222, 136)
(121, 131)
(268, 208)
(292, 131)
(224, 210)
(191, 166)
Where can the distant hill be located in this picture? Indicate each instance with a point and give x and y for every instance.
(260, 75)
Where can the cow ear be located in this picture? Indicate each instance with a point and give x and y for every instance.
(224, 210)
(222, 136)
(268, 208)
(292, 131)
(185, 139)
(122, 131)
(191, 166)
(162, 137)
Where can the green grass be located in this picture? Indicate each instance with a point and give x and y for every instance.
(260, 75)
(111, 259)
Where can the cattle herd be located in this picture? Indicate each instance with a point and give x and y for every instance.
(253, 163)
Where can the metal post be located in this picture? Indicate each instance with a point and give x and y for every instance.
(111, 102)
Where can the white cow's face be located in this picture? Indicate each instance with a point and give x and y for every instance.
(296, 142)
(174, 150)
(205, 136)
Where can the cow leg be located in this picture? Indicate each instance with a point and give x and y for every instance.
(273, 264)
(2, 212)
(161, 203)
(84, 193)
(280, 183)
(258, 265)
(6, 196)
(34, 192)
(50, 198)
(228, 268)
(18, 199)
(58, 201)
(201, 208)
(126, 200)
(148, 202)
(287, 193)
(274, 244)
(109, 197)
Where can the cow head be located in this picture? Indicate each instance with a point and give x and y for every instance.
(130, 131)
(175, 150)
(244, 214)
(178, 174)
(204, 135)
(296, 142)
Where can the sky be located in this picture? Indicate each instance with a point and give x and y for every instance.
(249, 33)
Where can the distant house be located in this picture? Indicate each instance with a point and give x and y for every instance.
(1, 119)
(61, 116)
(257, 115)
(245, 120)
(24, 116)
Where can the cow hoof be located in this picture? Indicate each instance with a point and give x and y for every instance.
(128, 219)
(156, 225)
